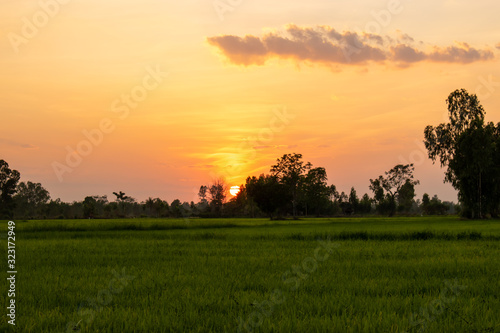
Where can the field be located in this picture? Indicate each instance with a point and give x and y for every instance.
(434, 274)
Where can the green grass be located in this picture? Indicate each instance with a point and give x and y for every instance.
(221, 275)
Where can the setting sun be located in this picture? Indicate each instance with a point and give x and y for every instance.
(234, 190)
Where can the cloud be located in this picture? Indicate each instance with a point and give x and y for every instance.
(326, 46)
(498, 46)
(275, 147)
(18, 144)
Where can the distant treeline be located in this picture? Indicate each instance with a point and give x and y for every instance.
(468, 146)
(265, 196)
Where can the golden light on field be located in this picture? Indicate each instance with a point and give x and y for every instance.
(234, 190)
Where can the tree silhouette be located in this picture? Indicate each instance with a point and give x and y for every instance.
(8, 185)
(269, 194)
(470, 149)
(388, 189)
(217, 193)
(290, 170)
(121, 197)
(30, 198)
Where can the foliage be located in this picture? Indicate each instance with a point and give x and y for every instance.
(8, 186)
(217, 193)
(30, 199)
(395, 189)
(470, 149)
(269, 194)
(290, 171)
(433, 206)
(314, 191)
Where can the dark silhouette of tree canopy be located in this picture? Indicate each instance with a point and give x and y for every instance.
(289, 171)
(270, 195)
(33, 193)
(217, 193)
(470, 149)
(433, 206)
(8, 186)
(121, 197)
(30, 198)
(202, 193)
(405, 197)
(354, 200)
(365, 204)
(314, 190)
(396, 186)
(89, 207)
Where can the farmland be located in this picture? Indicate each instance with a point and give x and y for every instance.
(404, 274)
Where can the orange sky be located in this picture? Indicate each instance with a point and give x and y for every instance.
(175, 93)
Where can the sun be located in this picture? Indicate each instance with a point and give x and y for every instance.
(234, 190)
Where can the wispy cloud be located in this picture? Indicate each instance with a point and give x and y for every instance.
(275, 147)
(18, 144)
(326, 46)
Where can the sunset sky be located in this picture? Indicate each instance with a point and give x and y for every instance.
(173, 94)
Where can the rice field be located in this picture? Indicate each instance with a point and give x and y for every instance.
(404, 274)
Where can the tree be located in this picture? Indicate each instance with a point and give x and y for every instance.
(397, 182)
(89, 207)
(405, 197)
(344, 204)
(30, 199)
(202, 206)
(202, 194)
(470, 149)
(433, 206)
(217, 193)
(125, 203)
(121, 197)
(354, 200)
(176, 208)
(269, 194)
(8, 185)
(314, 190)
(365, 204)
(289, 171)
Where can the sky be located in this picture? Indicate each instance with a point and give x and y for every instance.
(155, 98)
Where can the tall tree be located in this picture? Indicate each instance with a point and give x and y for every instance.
(217, 193)
(202, 194)
(89, 207)
(315, 191)
(30, 199)
(387, 189)
(365, 204)
(406, 197)
(290, 170)
(354, 200)
(8, 185)
(470, 149)
(120, 196)
(269, 194)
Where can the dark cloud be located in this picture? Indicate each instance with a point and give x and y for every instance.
(461, 54)
(326, 46)
(406, 54)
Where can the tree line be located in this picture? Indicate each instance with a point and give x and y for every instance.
(467, 146)
(292, 189)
